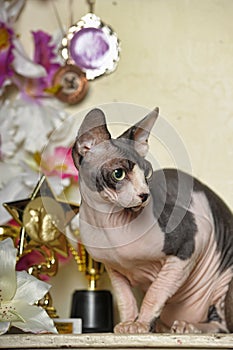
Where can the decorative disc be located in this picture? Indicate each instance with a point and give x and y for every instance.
(72, 84)
(92, 45)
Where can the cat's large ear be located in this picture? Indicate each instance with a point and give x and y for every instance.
(92, 131)
(140, 132)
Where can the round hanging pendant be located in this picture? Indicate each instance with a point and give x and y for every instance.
(72, 84)
(92, 45)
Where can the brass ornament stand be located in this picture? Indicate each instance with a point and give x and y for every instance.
(93, 306)
(92, 269)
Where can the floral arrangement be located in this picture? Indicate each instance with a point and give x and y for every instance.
(29, 145)
(32, 77)
(19, 292)
(28, 121)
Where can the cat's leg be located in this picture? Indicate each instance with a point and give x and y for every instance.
(214, 324)
(183, 327)
(220, 318)
(170, 278)
(126, 301)
(153, 301)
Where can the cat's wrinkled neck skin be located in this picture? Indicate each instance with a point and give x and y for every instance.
(102, 213)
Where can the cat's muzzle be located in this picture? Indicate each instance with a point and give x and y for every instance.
(145, 200)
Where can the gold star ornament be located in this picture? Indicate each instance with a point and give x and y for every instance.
(43, 219)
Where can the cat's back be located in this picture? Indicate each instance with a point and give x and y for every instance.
(186, 209)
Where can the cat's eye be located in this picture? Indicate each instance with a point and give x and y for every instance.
(118, 174)
(148, 173)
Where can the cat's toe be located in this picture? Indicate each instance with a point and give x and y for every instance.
(182, 327)
(131, 327)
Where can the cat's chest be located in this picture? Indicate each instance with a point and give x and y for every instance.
(125, 244)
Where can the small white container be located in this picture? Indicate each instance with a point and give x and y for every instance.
(68, 325)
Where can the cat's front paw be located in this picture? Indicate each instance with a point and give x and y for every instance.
(132, 327)
(182, 327)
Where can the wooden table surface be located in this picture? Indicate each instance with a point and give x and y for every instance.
(116, 341)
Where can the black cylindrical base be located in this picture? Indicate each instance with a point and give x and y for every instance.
(95, 308)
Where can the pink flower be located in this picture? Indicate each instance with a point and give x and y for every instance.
(44, 56)
(6, 53)
(60, 164)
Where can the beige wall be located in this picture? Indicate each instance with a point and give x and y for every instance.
(177, 54)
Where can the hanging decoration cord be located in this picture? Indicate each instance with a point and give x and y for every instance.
(71, 20)
(58, 18)
(91, 4)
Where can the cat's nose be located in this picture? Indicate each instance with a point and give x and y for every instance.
(144, 196)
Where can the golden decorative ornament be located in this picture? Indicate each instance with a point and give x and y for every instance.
(43, 220)
(43, 225)
(9, 231)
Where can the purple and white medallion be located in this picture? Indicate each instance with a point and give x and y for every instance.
(92, 46)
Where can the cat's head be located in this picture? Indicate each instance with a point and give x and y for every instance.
(114, 170)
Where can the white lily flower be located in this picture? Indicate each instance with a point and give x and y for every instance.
(27, 127)
(18, 293)
(36, 122)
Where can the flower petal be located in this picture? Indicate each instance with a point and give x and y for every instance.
(36, 319)
(45, 119)
(7, 269)
(45, 53)
(8, 313)
(11, 137)
(4, 326)
(23, 65)
(6, 55)
(30, 288)
(13, 9)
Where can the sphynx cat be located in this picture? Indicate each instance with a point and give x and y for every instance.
(162, 231)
